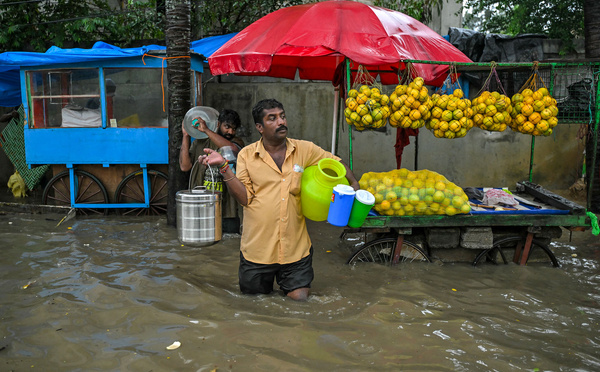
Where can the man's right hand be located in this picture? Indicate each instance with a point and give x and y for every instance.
(202, 127)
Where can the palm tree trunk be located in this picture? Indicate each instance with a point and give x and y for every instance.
(591, 20)
(178, 75)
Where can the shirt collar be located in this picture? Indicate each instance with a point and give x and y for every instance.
(262, 152)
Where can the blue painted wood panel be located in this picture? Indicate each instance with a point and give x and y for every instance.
(97, 146)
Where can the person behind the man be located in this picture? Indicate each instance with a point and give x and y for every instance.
(224, 135)
(275, 244)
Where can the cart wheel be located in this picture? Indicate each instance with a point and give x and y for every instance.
(380, 251)
(89, 191)
(539, 254)
(131, 190)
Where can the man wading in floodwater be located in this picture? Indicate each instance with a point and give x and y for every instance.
(275, 244)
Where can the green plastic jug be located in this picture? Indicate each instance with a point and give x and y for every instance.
(318, 182)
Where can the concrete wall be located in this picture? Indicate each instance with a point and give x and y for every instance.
(481, 158)
(449, 16)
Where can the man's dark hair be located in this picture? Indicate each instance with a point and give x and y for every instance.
(231, 117)
(265, 104)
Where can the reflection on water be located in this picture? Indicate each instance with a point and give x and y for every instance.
(113, 293)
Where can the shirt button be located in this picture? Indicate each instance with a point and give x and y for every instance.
(282, 198)
(282, 219)
(283, 180)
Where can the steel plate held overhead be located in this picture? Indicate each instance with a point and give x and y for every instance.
(208, 114)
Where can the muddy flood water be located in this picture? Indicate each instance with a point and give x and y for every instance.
(111, 293)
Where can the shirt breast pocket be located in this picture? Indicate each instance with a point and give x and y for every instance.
(296, 183)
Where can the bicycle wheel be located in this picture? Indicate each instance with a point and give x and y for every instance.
(504, 249)
(89, 190)
(131, 190)
(380, 251)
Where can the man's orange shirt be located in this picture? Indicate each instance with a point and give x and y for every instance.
(274, 229)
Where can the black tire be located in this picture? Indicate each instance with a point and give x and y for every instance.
(539, 254)
(380, 251)
(131, 190)
(89, 191)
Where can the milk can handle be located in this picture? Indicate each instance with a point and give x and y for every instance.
(199, 188)
(212, 178)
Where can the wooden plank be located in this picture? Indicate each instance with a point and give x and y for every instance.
(549, 197)
(565, 220)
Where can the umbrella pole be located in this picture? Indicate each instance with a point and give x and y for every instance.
(417, 152)
(336, 101)
(348, 85)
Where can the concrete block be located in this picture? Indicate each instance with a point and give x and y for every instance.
(454, 255)
(553, 232)
(476, 237)
(442, 237)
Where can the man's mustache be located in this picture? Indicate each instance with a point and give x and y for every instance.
(283, 127)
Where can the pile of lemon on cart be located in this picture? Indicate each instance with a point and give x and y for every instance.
(447, 114)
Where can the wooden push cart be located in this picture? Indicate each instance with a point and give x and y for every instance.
(517, 236)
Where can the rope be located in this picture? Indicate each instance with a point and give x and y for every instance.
(162, 73)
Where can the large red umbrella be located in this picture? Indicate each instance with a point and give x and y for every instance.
(315, 38)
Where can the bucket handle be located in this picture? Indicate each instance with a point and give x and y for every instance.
(199, 189)
(212, 178)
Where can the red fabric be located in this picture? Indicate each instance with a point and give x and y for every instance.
(313, 39)
(403, 140)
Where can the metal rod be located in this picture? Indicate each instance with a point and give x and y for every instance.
(479, 64)
(341, 122)
(72, 184)
(68, 96)
(594, 143)
(103, 97)
(336, 96)
(349, 84)
(531, 159)
(417, 151)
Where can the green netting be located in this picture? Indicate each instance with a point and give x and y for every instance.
(574, 87)
(12, 141)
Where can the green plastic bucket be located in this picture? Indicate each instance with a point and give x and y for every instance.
(363, 202)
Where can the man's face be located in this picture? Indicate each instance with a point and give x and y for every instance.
(226, 130)
(274, 125)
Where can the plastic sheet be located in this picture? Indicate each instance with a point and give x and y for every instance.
(313, 39)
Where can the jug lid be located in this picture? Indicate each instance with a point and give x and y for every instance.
(344, 189)
(365, 197)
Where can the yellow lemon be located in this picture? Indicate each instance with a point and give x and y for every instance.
(385, 205)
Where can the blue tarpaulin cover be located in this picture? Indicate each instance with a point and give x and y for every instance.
(10, 62)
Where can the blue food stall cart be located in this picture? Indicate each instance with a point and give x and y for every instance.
(98, 117)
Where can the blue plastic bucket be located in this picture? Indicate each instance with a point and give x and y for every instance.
(340, 207)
